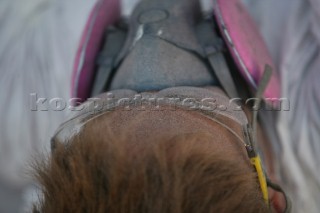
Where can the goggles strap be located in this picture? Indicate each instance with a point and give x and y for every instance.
(258, 99)
(254, 157)
(264, 181)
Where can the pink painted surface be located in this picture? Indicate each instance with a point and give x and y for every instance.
(104, 13)
(246, 44)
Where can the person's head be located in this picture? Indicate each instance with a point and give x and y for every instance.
(150, 161)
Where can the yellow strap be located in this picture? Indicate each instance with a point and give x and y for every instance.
(256, 162)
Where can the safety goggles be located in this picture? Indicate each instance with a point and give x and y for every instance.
(248, 138)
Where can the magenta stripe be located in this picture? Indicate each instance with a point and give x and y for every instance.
(104, 13)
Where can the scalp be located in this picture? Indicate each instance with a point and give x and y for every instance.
(107, 173)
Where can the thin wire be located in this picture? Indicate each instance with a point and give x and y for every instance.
(259, 95)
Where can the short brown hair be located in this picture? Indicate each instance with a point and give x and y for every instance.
(105, 173)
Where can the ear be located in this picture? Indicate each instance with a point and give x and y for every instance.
(277, 201)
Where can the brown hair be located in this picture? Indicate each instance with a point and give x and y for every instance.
(105, 173)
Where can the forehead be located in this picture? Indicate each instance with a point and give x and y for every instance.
(209, 102)
(149, 126)
(142, 123)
